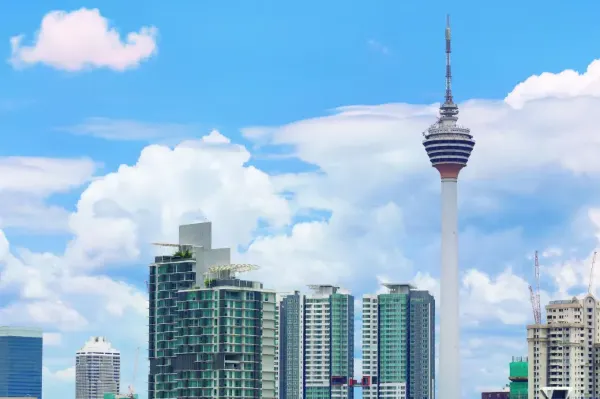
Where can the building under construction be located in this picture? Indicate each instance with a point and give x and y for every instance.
(518, 377)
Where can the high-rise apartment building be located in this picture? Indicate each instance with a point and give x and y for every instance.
(97, 369)
(398, 344)
(212, 335)
(20, 362)
(316, 353)
(563, 353)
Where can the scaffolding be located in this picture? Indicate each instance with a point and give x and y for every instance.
(518, 377)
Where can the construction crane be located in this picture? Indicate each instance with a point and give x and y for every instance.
(592, 273)
(131, 393)
(535, 296)
(533, 305)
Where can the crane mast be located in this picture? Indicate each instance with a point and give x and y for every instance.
(592, 273)
(131, 394)
(535, 296)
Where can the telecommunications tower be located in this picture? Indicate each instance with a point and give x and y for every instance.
(449, 146)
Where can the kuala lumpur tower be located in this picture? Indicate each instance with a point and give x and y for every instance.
(449, 146)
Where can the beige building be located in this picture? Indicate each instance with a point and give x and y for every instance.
(563, 353)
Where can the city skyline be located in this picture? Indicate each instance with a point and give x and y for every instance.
(298, 134)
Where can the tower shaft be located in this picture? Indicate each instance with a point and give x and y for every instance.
(449, 366)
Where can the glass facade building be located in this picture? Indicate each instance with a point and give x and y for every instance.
(316, 345)
(183, 270)
(20, 362)
(399, 344)
(226, 342)
(211, 336)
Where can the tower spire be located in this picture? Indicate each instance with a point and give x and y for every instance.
(448, 66)
(448, 110)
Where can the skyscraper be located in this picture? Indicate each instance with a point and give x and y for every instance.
(449, 146)
(225, 338)
(291, 346)
(97, 369)
(398, 343)
(182, 270)
(212, 335)
(20, 362)
(317, 344)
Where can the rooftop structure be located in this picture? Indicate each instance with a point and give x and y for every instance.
(97, 345)
(449, 146)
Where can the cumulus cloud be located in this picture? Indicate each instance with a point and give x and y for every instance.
(566, 84)
(81, 39)
(120, 213)
(28, 181)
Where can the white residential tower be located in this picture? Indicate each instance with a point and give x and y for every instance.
(97, 369)
(563, 353)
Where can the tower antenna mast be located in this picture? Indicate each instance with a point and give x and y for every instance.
(449, 99)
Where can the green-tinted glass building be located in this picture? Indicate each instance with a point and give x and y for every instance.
(316, 352)
(210, 336)
(399, 343)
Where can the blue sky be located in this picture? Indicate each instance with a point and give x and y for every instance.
(296, 130)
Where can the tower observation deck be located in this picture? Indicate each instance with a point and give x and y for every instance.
(448, 144)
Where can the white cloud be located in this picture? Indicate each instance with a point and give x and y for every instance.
(566, 84)
(61, 376)
(120, 213)
(52, 339)
(122, 130)
(43, 176)
(28, 181)
(82, 39)
(505, 298)
(52, 313)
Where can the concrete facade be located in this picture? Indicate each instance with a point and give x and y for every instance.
(97, 369)
(564, 352)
